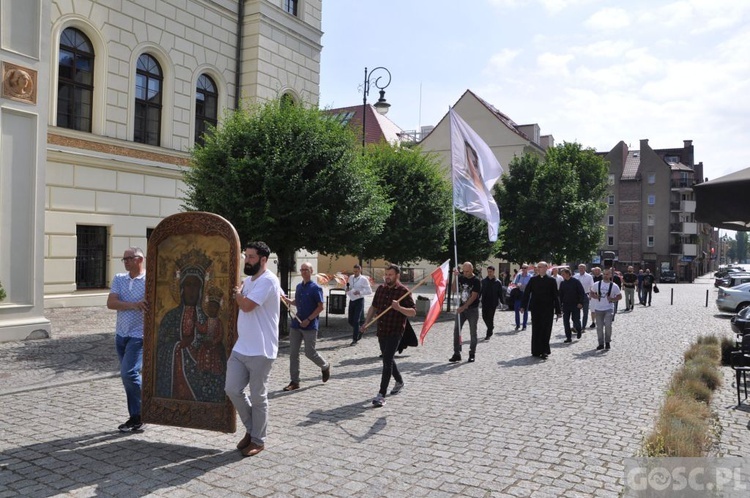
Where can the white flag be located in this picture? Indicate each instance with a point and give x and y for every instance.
(475, 171)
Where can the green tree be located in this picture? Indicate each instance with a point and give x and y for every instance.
(286, 175)
(741, 238)
(552, 208)
(420, 198)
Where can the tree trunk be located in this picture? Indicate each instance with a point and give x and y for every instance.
(285, 266)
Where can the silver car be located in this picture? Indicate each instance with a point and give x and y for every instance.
(733, 299)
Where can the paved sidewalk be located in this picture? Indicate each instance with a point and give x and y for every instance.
(507, 425)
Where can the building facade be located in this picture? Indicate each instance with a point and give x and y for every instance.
(650, 219)
(125, 90)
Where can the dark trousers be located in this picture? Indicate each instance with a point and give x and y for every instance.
(541, 331)
(517, 309)
(356, 316)
(575, 314)
(585, 312)
(388, 347)
(647, 291)
(488, 315)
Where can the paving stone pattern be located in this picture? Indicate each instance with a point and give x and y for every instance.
(507, 425)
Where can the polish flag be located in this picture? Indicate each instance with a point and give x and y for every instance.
(440, 278)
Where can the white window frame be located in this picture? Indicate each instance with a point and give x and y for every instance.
(651, 178)
(651, 199)
(611, 220)
(650, 241)
(610, 240)
(651, 220)
(611, 200)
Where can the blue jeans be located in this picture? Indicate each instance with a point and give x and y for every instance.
(517, 309)
(130, 352)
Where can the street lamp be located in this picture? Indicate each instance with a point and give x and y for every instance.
(381, 105)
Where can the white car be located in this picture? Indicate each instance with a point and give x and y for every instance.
(733, 299)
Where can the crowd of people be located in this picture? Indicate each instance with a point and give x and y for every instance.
(539, 291)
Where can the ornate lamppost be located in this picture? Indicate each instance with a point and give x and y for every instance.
(381, 105)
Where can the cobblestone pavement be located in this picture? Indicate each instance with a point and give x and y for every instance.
(507, 425)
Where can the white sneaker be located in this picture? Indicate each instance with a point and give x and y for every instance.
(397, 388)
(378, 400)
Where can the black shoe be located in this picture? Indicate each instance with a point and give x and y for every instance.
(592, 326)
(543, 356)
(578, 334)
(456, 357)
(326, 373)
(487, 338)
(606, 346)
(354, 343)
(471, 359)
(516, 327)
(523, 328)
(133, 424)
(599, 347)
(568, 340)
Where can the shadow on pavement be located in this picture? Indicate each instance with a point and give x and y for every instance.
(114, 464)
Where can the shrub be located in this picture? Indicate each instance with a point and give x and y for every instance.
(3, 295)
(682, 427)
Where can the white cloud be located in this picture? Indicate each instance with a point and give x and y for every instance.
(608, 19)
(554, 64)
(501, 60)
(556, 6)
(604, 48)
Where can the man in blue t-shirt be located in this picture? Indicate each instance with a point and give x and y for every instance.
(128, 297)
(308, 298)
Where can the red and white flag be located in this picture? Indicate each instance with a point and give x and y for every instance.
(475, 171)
(440, 278)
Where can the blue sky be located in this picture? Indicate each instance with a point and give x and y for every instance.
(593, 72)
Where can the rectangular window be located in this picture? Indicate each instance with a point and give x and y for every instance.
(291, 6)
(610, 240)
(611, 179)
(650, 241)
(611, 200)
(651, 200)
(91, 257)
(651, 178)
(651, 220)
(610, 220)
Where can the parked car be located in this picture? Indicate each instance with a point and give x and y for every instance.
(733, 299)
(741, 321)
(721, 275)
(735, 279)
(668, 277)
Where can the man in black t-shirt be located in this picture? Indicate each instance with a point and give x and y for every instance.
(468, 289)
(492, 291)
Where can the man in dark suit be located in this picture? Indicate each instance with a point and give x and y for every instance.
(490, 298)
(542, 292)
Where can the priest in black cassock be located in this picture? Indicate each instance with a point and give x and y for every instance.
(541, 295)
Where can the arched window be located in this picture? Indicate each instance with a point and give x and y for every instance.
(206, 106)
(148, 98)
(75, 81)
(288, 99)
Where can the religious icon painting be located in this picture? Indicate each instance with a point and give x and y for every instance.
(192, 264)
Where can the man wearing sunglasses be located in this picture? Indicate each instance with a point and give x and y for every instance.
(128, 297)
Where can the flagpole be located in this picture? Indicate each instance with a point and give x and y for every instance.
(455, 237)
(421, 282)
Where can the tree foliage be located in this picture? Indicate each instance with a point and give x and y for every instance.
(741, 247)
(420, 199)
(286, 175)
(552, 208)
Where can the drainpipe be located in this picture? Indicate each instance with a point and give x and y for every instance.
(238, 57)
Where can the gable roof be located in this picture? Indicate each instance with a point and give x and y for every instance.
(503, 118)
(377, 126)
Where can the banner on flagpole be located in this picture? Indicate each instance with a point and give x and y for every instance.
(440, 279)
(475, 170)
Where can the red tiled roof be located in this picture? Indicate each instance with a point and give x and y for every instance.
(378, 127)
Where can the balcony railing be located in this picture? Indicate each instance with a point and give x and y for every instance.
(682, 183)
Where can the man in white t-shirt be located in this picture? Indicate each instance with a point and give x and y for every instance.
(256, 348)
(603, 295)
